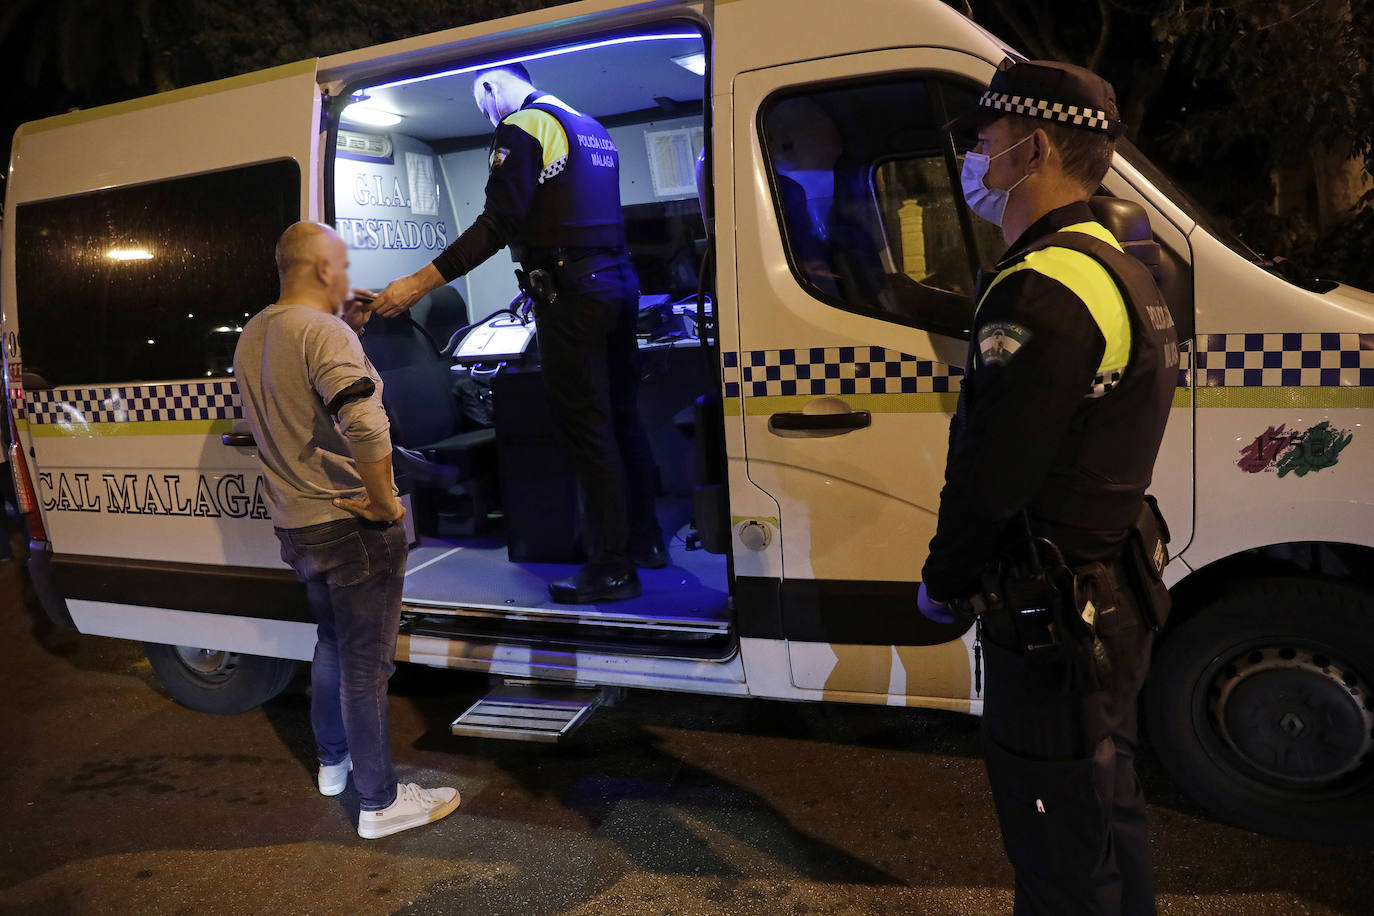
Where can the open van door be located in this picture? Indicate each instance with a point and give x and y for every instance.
(138, 239)
(856, 263)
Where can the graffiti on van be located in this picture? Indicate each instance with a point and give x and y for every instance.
(1292, 451)
(120, 493)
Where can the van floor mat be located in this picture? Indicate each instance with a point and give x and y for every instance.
(476, 573)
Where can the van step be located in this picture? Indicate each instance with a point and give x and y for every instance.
(579, 629)
(526, 712)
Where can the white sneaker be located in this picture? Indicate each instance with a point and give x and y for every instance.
(413, 807)
(334, 777)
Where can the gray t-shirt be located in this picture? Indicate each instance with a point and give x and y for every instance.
(291, 362)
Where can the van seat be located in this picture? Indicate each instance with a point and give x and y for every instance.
(417, 392)
(440, 312)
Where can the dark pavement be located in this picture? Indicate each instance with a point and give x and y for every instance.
(114, 799)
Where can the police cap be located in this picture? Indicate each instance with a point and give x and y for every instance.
(1050, 90)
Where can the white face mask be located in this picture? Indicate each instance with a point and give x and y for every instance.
(985, 202)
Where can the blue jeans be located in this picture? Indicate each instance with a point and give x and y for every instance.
(353, 572)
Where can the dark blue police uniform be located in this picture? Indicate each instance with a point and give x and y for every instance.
(553, 195)
(1067, 390)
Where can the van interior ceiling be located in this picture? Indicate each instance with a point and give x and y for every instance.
(493, 494)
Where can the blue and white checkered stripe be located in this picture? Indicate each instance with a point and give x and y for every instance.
(1287, 360)
(820, 371)
(218, 400)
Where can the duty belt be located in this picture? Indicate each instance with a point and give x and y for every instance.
(534, 258)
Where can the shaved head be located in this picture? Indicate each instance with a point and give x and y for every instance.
(301, 245)
(498, 91)
(312, 263)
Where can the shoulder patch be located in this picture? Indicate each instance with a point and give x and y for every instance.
(998, 342)
(498, 156)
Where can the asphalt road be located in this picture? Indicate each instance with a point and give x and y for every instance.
(113, 799)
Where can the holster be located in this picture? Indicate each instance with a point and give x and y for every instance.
(1033, 608)
(538, 284)
(1144, 559)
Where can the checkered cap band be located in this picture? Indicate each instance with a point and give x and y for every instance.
(820, 371)
(1074, 115)
(217, 400)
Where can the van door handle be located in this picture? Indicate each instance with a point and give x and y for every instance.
(795, 419)
(243, 440)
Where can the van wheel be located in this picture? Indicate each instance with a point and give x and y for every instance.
(213, 680)
(1262, 707)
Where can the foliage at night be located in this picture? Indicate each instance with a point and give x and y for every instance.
(1260, 108)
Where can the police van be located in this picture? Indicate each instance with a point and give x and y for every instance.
(806, 299)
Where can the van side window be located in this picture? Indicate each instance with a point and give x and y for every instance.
(866, 187)
(151, 282)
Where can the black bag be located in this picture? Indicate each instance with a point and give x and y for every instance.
(473, 390)
(1144, 559)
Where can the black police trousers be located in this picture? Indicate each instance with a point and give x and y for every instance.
(1062, 770)
(591, 373)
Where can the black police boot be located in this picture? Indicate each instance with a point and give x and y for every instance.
(652, 556)
(593, 584)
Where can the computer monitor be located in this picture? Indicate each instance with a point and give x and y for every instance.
(662, 238)
(500, 338)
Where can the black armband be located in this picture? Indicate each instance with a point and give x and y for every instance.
(362, 388)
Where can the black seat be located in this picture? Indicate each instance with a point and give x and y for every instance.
(440, 312)
(425, 416)
(1128, 221)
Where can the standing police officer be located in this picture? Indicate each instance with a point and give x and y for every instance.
(553, 195)
(1071, 370)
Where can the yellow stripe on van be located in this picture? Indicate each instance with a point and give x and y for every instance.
(945, 402)
(140, 428)
(925, 402)
(1288, 396)
(285, 71)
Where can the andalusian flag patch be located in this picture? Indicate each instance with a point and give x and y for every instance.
(998, 342)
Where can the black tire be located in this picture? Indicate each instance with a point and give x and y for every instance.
(1262, 707)
(219, 682)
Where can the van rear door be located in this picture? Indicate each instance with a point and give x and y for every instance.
(142, 239)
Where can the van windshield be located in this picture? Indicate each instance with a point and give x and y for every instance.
(1215, 226)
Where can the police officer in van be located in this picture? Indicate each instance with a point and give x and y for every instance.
(553, 195)
(1044, 529)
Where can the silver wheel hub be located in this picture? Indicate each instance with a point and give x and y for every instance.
(208, 664)
(1295, 715)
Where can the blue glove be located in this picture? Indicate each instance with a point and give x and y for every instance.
(936, 611)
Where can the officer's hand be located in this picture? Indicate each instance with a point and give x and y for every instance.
(398, 296)
(936, 611)
(373, 513)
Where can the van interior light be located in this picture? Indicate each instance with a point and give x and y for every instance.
(369, 115)
(129, 254)
(555, 52)
(695, 62)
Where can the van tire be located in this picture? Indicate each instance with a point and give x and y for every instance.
(217, 681)
(1261, 705)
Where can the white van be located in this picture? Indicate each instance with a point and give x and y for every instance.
(803, 344)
